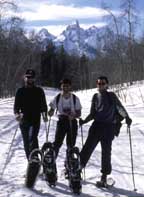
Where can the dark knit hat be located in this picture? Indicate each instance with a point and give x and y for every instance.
(103, 78)
(30, 73)
(65, 81)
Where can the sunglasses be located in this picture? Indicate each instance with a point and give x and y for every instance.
(101, 83)
(29, 77)
(65, 86)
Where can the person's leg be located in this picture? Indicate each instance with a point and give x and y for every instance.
(70, 140)
(106, 156)
(71, 133)
(105, 161)
(25, 136)
(59, 136)
(33, 136)
(89, 146)
(106, 145)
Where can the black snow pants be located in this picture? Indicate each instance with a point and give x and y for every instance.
(30, 136)
(103, 133)
(65, 128)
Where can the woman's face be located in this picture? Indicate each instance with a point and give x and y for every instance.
(66, 87)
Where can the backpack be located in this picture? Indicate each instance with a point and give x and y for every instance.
(58, 97)
(119, 118)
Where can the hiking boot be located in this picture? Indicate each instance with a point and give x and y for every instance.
(104, 178)
(102, 182)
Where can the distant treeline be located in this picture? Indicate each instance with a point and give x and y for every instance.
(119, 57)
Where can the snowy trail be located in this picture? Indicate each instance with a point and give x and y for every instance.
(12, 182)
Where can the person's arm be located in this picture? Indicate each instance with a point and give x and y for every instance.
(87, 119)
(17, 103)
(43, 106)
(17, 106)
(78, 113)
(122, 111)
(43, 101)
(77, 107)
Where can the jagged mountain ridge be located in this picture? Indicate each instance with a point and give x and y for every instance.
(75, 39)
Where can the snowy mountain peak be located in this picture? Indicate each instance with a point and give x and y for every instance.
(74, 27)
(44, 34)
(75, 39)
(75, 24)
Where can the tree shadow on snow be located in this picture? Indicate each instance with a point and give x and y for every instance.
(120, 191)
(62, 188)
(41, 193)
(116, 191)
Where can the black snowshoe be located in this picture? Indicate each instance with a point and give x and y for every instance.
(49, 164)
(105, 182)
(101, 184)
(33, 168)
(73, 170)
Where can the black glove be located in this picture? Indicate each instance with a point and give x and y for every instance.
(128, 121)
(81, 122)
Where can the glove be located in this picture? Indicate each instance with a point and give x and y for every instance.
(71, 115)
(51, 112)
(19, 117)
(44, 115)
(45, 119)
(128, 121)
(81, 122)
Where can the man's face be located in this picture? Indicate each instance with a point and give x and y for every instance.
(29, 80)
(101, 85)
(66, 87)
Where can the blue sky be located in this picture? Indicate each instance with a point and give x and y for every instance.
(55, 15)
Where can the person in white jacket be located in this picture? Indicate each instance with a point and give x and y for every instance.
(68, 108)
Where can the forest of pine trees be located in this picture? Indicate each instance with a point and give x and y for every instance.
(121, 59)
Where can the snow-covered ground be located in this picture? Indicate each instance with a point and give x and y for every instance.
(13, 164)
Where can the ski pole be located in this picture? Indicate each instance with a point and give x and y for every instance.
(71, 132)
(47, 129)
(82, 147)
(128, 130)
(82, 135)
(6, 161)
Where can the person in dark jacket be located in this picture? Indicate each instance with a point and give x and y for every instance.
(29, 104)
(105, 105)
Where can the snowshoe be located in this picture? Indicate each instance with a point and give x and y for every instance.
(33, 167)
(73, 170)
(107, 183)
(110, 182)
(101, 184)
(49, 164)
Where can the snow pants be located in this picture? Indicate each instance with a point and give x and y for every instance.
(103, 133)
(30, 136)
(65, 128)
